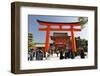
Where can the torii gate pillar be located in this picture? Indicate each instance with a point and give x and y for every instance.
(73, 40)
(47, 39)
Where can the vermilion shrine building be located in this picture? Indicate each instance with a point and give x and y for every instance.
(61, 40)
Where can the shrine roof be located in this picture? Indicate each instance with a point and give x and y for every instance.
(60, 34)
(59, 37)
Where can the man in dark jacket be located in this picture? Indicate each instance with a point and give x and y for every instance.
(61, 54)
(82, 55)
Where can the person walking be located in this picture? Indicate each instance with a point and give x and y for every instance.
(57, 52)
(37, 54)
(61, 54)
(66, 53)
(82, 55)
(33, 53)
(41, 54)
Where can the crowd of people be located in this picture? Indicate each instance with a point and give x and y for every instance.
(61, 53)
(35, 54)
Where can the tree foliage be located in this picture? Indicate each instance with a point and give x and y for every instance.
(83, 21)
(30, 41)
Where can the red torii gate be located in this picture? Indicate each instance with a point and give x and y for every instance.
(60, 24)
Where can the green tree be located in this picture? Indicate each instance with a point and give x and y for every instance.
(83, 21)
(30, 41)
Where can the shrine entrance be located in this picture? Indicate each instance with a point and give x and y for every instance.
(49, 28)
(60, 40)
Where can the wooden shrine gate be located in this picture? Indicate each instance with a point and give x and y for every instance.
(60, 25)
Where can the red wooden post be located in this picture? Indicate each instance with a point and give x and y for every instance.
(47, 39)
(73, 40)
